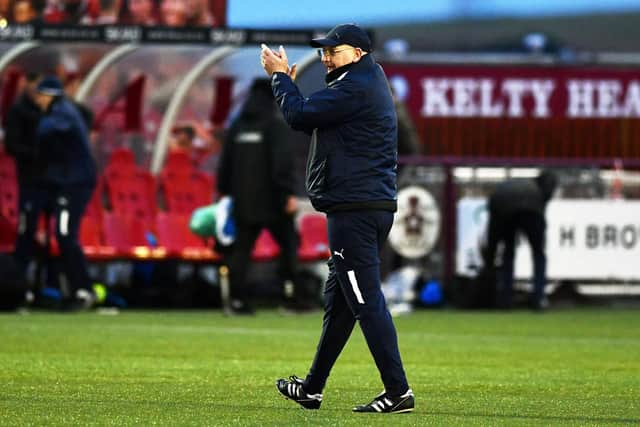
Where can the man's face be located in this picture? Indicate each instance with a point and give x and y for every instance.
(23, 12)
(336, 57)
(195, 6)
(174, 13)
(140, 10)
(43, 100)
(184, 138)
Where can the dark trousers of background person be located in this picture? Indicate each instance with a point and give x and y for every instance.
(68, 207)
(35, 199)
(284, 232)
(353, 292)
(505, 229)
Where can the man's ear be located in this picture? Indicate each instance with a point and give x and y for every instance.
(359, 54)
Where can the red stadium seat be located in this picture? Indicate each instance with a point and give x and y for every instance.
(175, 236)
(8, 203)
(266, 248)
(130, 190)
(314, 241)
(128, 237)
(121, 163)
(95, 208)
(177, 162)
(183, 187)
(133, 196)
(8, 234)
(8, 189)
(91, 239)
(185, 193)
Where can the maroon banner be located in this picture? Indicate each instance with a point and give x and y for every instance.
(508, 110)
(517, 92)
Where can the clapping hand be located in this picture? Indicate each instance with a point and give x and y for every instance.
(276, 62)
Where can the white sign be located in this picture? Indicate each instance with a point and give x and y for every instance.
(586, 239)
(416, 225)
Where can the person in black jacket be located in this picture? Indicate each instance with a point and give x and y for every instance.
(256, 169)
(519, 206)
(70, 173)
(71, 86)
(408, 139)
(351, 176)
(21, 143)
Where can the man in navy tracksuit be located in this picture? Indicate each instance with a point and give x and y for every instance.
(70, 173)
(351, 175)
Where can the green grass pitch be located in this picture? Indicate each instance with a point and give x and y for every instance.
(565, 367)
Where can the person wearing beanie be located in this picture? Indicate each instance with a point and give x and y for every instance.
(70, 173)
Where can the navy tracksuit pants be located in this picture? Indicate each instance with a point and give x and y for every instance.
(353, 292)
(34, 199)
(67, 207)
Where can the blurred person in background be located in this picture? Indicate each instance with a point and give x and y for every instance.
(209, 159)
(173, 13)
(71, 11)
(519, 205)
(408, 139)
(71, 176)
(22, 144)
(205, 145)
(408, 145)
(351, 176)
(109, 13)
(198, 13)
(182, 140)
(256, 170)
(5, 9)
(139, 12)
(71, 86)
(24, 12)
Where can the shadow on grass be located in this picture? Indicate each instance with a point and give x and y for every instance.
(292, 406)
(580, 419)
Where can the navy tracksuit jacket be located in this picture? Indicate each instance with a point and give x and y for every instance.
(351, 175)
(70, 174)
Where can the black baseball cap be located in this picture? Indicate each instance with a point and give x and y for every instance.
(50, 85)
(349, 34)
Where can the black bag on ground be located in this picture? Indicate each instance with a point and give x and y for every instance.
(477, 292)
(13, 287)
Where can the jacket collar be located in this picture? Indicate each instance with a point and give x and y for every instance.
(365, 62)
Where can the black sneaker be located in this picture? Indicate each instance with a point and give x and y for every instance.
(82, 301)
(386, 403)
(540, 305)
(292, 389)
(239, 308)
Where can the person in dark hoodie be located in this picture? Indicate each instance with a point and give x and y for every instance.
(256, 170)
(21, 143)
(519, 205)
(70, 173)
